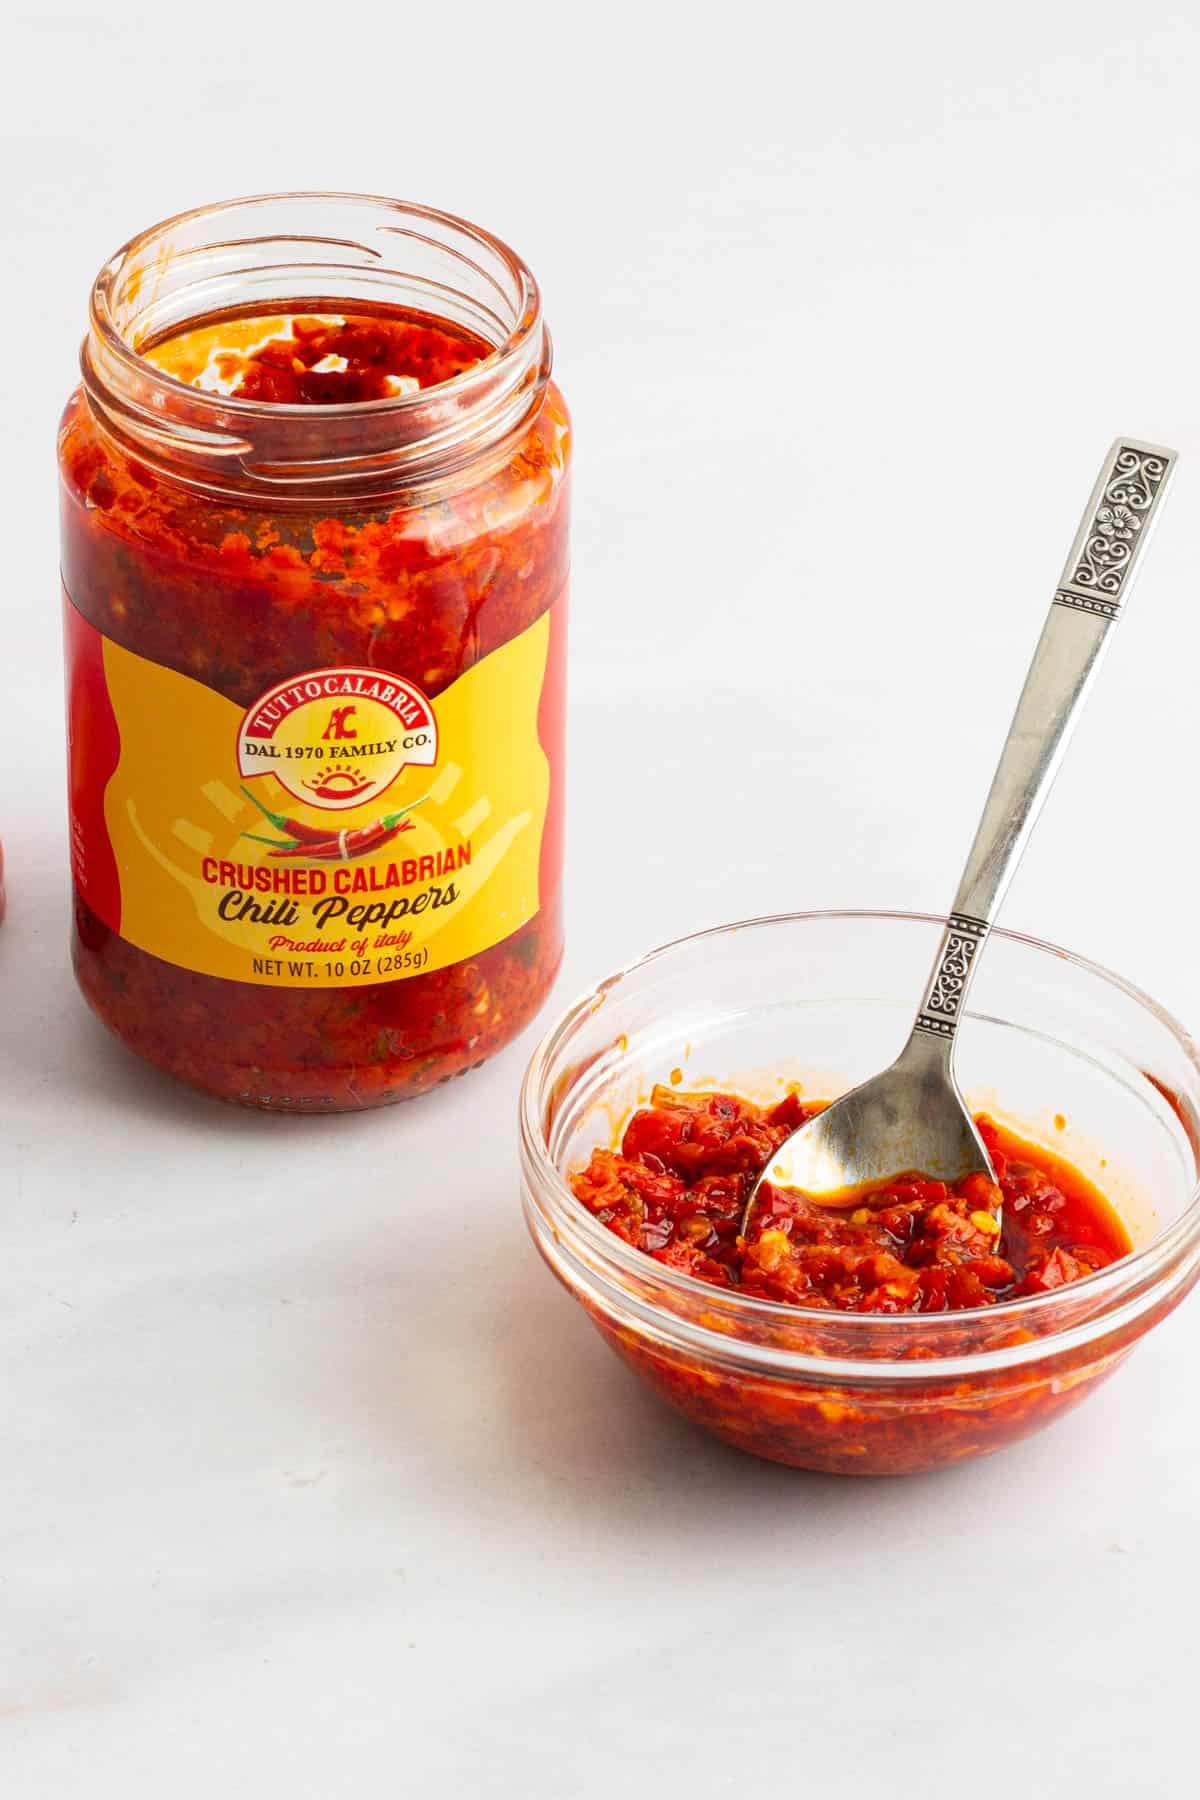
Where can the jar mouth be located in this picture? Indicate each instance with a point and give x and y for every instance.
(291, 250)
(580, 1248)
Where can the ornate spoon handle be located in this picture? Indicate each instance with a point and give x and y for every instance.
(1095, 584)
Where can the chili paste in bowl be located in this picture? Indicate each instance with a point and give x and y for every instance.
(678, 1186)
(910, 1331)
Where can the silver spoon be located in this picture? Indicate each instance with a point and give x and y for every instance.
(911, 1118)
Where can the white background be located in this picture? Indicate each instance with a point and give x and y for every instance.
(848, 301)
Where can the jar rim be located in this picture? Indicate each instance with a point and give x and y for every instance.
(223, 440)
(1128, 1286)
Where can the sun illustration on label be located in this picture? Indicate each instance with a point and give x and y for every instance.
(337, 738)
(338, 784)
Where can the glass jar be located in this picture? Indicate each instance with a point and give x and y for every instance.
(314, 553)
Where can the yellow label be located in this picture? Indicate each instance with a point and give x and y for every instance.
(343, 830)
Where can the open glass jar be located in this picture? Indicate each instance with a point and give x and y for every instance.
(315, 551)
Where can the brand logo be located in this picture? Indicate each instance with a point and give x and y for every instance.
(337, 738)
(337, 726)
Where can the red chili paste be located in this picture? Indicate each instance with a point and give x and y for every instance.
(677, 1189)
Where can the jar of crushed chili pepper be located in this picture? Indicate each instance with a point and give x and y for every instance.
(314, 548)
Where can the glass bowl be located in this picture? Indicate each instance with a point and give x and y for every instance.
(1054, 1046)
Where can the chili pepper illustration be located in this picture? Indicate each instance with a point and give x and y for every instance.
(342, 846)
(295, 828)
(341, 785)
(347, 844)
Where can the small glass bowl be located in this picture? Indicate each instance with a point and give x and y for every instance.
(1054, 1046)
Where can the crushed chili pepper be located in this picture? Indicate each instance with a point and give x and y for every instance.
(338, 360)
(677, 1189)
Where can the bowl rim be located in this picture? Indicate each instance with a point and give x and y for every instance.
(1141, 1267)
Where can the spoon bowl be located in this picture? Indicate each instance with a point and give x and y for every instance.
(909, 1120)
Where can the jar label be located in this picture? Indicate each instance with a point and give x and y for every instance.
(344, 829)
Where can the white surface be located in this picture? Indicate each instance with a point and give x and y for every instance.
(848, 302)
